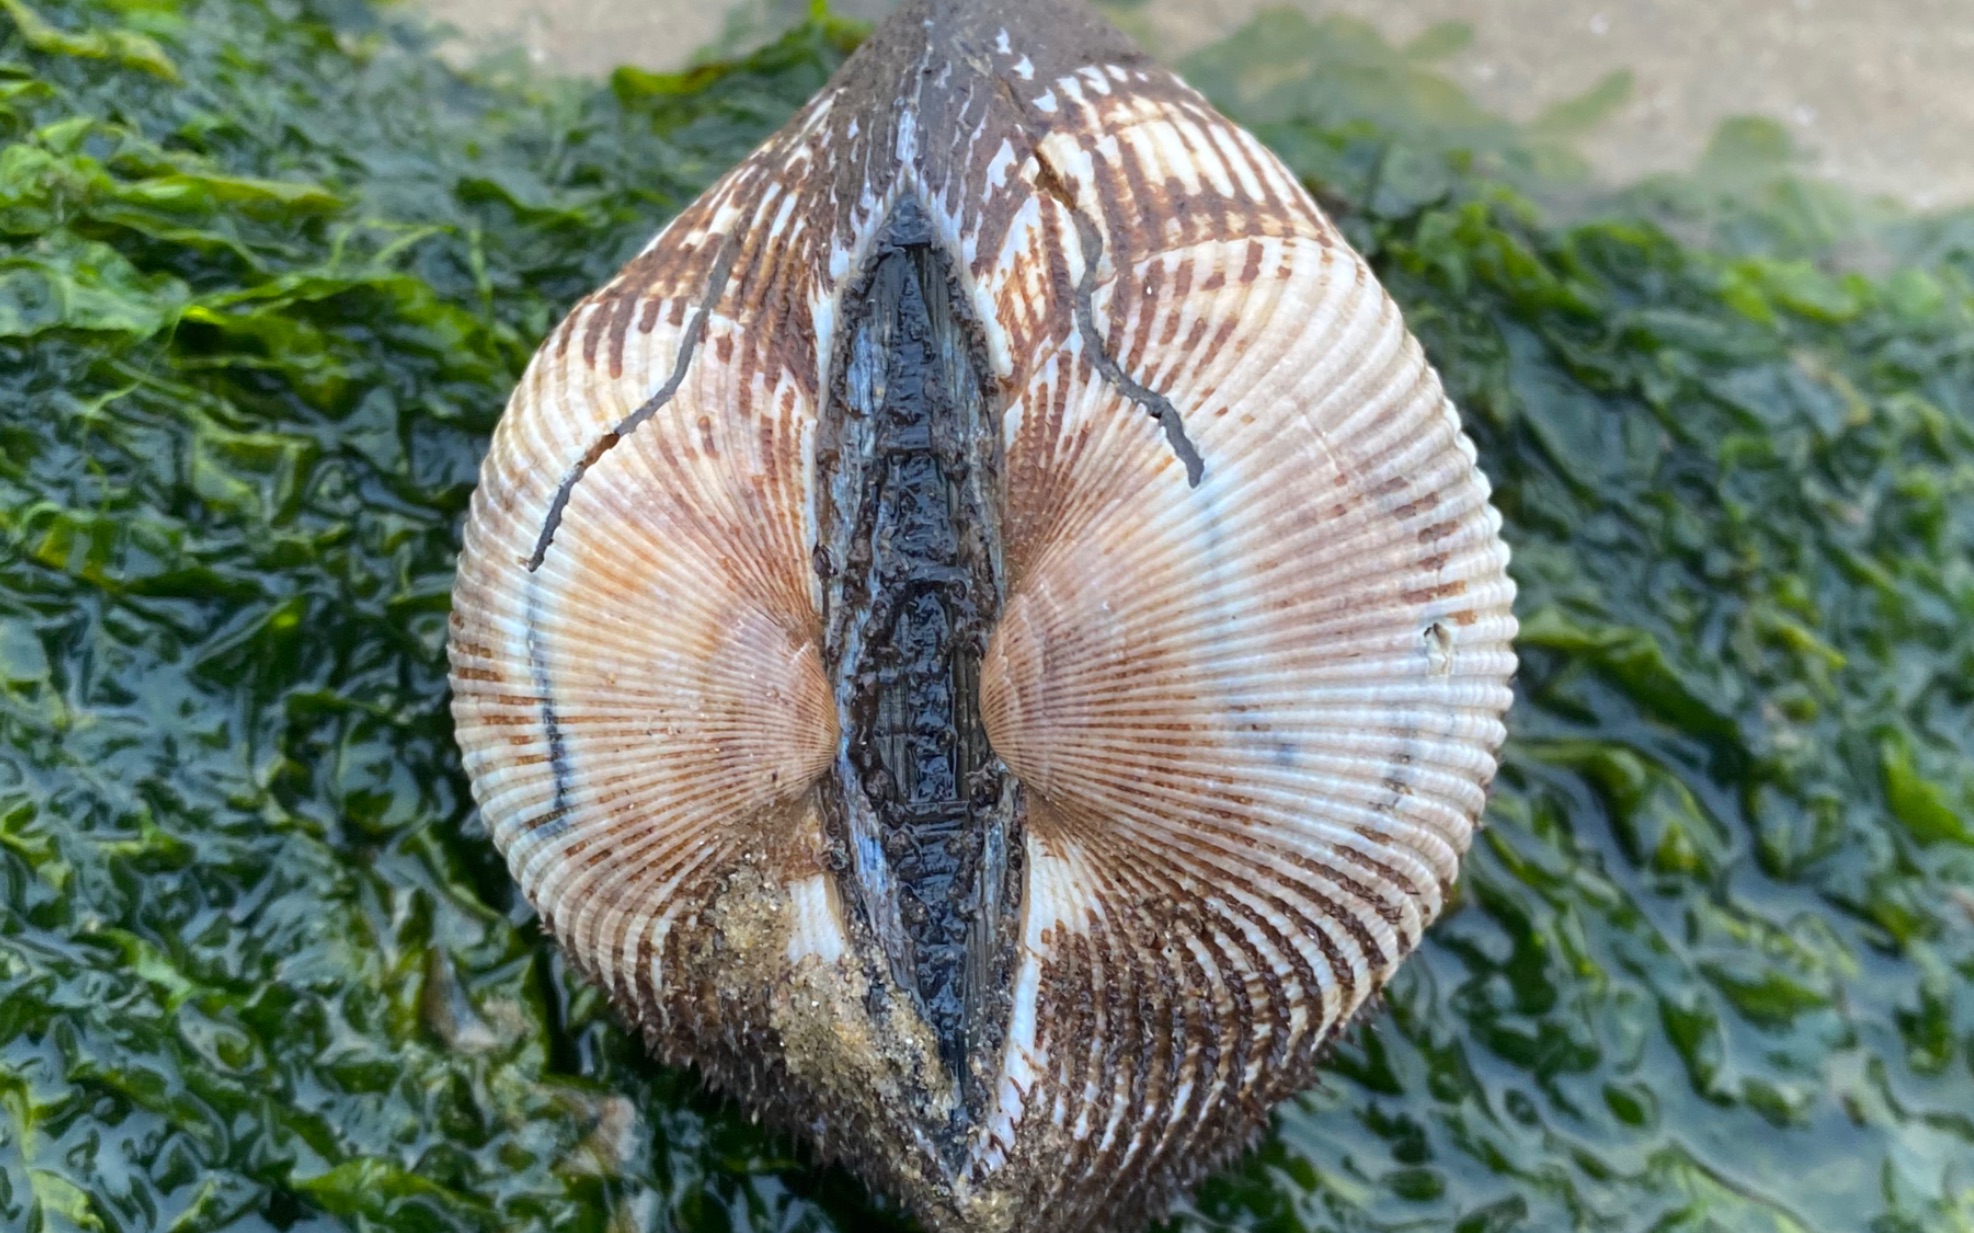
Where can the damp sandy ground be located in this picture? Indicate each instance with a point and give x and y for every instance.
(1879, 93)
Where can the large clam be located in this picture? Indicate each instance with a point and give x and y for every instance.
(987, 637)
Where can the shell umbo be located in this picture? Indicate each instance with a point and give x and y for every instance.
(987, 637)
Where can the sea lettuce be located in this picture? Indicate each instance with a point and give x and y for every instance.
(267, 270)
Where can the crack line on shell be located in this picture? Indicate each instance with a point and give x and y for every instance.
(1157, 405)
(558, 751)
(689, 347)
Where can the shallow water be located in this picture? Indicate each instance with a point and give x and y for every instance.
(269, 273)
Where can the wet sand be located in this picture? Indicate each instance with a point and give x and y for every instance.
(1878, 93)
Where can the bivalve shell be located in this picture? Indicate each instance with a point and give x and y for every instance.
(987, 637)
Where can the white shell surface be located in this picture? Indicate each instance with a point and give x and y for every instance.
(1254, 718)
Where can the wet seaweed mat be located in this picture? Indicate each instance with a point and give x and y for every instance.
(269, 271)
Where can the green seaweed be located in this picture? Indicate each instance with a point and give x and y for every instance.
(269, 270)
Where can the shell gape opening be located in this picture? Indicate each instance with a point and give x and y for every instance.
(921, 816)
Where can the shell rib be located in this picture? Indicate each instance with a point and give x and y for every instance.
(1249, 609)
